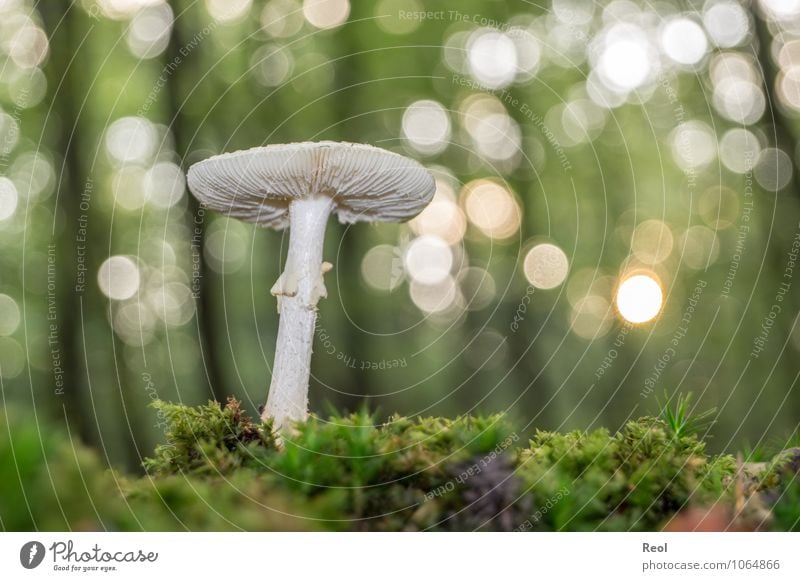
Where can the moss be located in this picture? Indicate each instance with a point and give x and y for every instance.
(220, 470)
(211, 438)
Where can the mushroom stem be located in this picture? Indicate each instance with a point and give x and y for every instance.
(298, 290)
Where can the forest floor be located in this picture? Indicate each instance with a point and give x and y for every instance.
(220, 470)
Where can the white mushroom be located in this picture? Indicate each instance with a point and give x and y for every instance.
(299, 185)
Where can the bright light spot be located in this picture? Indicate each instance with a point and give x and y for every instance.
(625, 60)
(545, 266)
(34, 174)
(9, 315)
(684, 41)
(434, 298)
(652, 241)
(492, 208)
(326, 13)
(272, 64)
(639, 298)
(8, 198)
(428, 260)
(739, 149)
(118, 278)
(442, 217)
(228, 10)
(492, 58)
(282, 18)
(426, 126)
(774, 169)
(382, 267)
(727, 23)
(131, 140)
(148, 33)
(164, 184)
(693, 145)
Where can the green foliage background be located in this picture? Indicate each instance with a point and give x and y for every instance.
(64, 365)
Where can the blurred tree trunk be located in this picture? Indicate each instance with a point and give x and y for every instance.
(59, 20)
(194, 215)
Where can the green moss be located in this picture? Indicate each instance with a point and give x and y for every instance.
(212, 438)
(220, 470)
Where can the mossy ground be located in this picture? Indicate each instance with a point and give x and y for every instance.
(219, 470)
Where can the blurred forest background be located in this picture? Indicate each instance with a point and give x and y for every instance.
(616, 214)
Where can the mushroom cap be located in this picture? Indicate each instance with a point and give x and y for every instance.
(367, 184)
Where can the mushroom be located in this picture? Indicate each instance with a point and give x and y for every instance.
(298, 185)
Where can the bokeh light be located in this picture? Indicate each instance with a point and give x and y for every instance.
(652, 241)
(228, 11)
(382, 267)
(545, 266)
(491, 208)
(699, 247)
(282, 18)
(118, 277)
(426, 126)
(492, 58)
(494, 134)
(442, 217)
(684, 41)
(428, 260)
(9, 315)
(12, 358)
(326, 13)
(774, 169)
(477, 286)
(8, 198)
(272, 64)
(693, 145)
(131, 140)
(739, 149)
(625, 57)
(639, 298)
(726, 22)
(164, 184)
(149, 31)
(590, 317)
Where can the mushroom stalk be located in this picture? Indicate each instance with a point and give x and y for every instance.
(298, 290)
